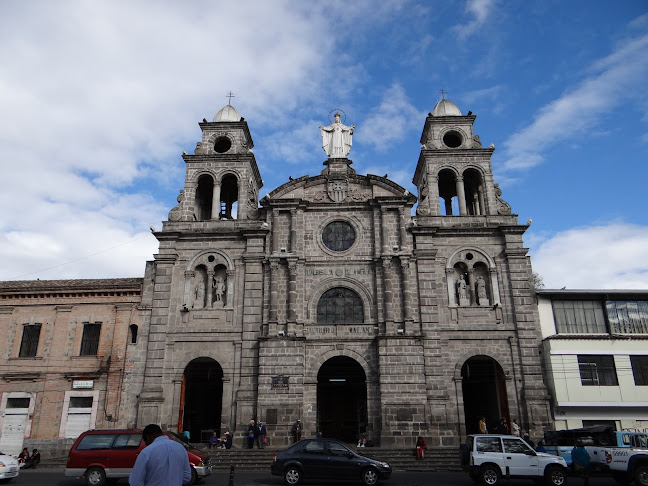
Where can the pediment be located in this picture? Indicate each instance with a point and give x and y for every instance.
(335, 190)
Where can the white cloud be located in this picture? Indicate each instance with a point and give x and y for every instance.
(479, 10)
(391, 120)
(615, 78)
(613, 256)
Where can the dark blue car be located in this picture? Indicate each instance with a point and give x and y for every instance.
(326, 459)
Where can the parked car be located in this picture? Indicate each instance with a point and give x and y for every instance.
(488, 457)
(98, 455)
(8, 467)
(326, 459)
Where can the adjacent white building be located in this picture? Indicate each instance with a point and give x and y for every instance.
(595, 355)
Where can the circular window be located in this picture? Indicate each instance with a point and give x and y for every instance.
(338, 236)
(222, 144)
(452, 139)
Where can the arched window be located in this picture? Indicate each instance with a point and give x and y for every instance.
(474, 191)
(340, 305)
(448, 193)
(133, 333)
(229, 197)
(204, 195)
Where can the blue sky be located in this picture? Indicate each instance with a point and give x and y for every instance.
(99, 99)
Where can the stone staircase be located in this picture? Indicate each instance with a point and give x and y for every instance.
(436, 459)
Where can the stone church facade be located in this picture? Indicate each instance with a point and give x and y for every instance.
(329, 302)
(340, 299)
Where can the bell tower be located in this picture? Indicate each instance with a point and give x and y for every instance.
(454, 175)
(222, 179)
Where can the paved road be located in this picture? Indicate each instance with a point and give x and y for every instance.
(55, 477)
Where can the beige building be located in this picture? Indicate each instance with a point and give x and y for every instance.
(63, 356)
(595, 350)
(340, 299)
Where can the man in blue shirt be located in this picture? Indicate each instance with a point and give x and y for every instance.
(163, 462)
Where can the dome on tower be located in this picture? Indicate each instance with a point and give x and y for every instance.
(446, 108)
(227, 114)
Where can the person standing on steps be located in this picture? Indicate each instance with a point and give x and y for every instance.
(297, 431)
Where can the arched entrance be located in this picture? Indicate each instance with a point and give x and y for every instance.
(342, 399)
(201, 399)
(484, 393)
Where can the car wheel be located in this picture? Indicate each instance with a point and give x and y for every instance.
(555, 476)
(641, 476)
(194, 478)
(490, 476)
(95, 476)
(292, 476)
(369, 477)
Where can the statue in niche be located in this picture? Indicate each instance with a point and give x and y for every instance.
(462, 289)
(219, 290)
(336, 138)
(482, 297)
(199, 295)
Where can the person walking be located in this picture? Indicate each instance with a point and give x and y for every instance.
(251, 431)
(296, 431)
(163, 462)
(515, 428)
(261, 433)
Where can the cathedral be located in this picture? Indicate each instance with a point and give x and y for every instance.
(339, 299)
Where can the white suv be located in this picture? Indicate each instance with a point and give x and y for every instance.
(488, 457)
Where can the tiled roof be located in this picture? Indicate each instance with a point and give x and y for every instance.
(74, 285)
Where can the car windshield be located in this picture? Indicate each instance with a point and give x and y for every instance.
(337, 449)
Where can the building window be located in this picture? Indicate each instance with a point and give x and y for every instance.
(338, 236)
(628, 317)
(597, 371)
(18, 402)
(640, 369)
(90, 339)
(579, 317)
(340, 306)
(29, 344)
(133, 333)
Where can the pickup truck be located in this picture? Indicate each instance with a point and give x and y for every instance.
(623, 454)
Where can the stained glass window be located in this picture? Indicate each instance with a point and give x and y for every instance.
(340, 305)
(338, 236)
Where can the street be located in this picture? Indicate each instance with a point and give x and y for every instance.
(55, 477)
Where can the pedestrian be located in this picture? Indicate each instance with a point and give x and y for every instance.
(540, 447)
(251, 431)
(503, 426)
(528, 440)
(421, 447)
(213, 441)
(581, 462)
(261, 435)
(163, 462)
(296, 431)
(482, 425)
(33, 460)
(515, 428)
(23, 457)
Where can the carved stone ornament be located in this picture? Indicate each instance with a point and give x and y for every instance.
(337, 190)
(502, 206)
(176, 213)
(358, 195)
(422, 208)
(201, 149)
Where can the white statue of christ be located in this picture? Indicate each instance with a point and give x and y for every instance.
(336, 138)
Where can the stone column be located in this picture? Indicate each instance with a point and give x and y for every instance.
(292, 291)
(383, 227)
(274, 277)
(189, 297)
(229, 290)
(216, 200)
(433, 195)
(461, 196)
(293, 231)
(275, 231)
(377, 232)
(471, 286)
(209, 288)
(407, 298)
(482, 204)
(388, 292)
(402, 228)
